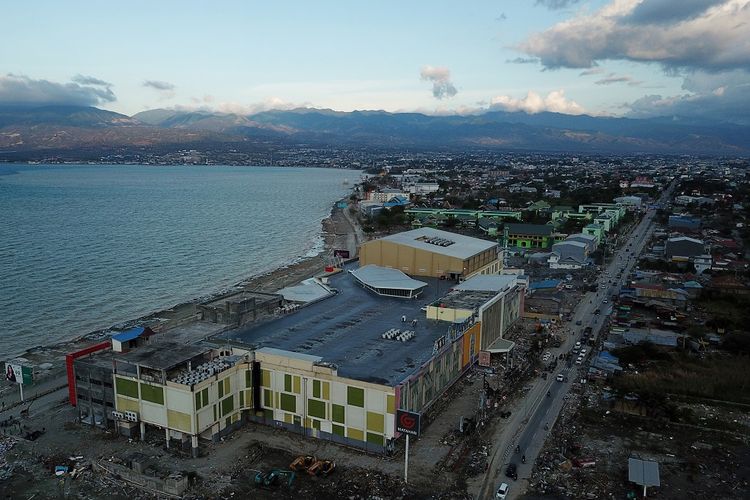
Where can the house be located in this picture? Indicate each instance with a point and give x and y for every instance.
(528, 235)
(568, 255)
(595, 230)
(588, 239)
(684, 223)
(683, 248)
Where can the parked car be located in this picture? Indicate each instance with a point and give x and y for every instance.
(578, 323)
(502, 491)
(579, 361)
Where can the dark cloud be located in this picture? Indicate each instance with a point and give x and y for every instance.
(90, 80)
(690, 35)
(668, 11)
(159, 85)
(442, 86)
(556, 4)
(524, 60)
(720, 97)
(22, 90)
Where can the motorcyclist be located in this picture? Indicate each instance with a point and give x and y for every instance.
(518, 448)
(523, 459)
(547, 393)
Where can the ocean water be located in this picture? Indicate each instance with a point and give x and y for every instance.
(84, 247)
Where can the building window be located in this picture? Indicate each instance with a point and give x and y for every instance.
(338, 413)
(355, 396)
(316, 408)
(287, 383)
(126, 387)
(152, 394)
(288, 403)
(316, 388)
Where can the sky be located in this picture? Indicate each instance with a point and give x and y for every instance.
(636, 58)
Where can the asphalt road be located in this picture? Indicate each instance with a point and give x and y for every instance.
(544, 402)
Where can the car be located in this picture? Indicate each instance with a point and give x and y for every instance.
(583, 351)
(597, 311)
(578, 345)
(605, 301)
(502, 492)
(603, 286)
(579, 323)
(579, 361)
(560, 377)
(511, 471)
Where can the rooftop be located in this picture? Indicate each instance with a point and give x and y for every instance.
(465, 299)
(460, 246)
(383, 277)
(346, 329)
(539, 229)
(487, 282)
(162, 355)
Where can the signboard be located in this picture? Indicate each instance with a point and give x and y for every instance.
(484, 358)
(344, 254)
(407, 422)
(18, 373)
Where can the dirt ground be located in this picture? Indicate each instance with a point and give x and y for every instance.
(695, 461)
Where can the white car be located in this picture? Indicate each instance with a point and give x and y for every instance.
(560, 377)
(502, 491)
(605, 301)
(579, 361)
(583, 352)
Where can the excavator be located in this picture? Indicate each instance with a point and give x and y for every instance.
(322, 467)
(272, 479)
(302, 463)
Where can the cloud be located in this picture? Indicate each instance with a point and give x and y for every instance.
(501, 17)
(555, 102)
(166, 90)
(720, 97)
(666, 11)
(613, 78)
(22, 90)
(90, 80)
(679, 35)
(523, 60)
(158, 85)
(592, 71)
(440, 77)
(208, 104)
(556, 4)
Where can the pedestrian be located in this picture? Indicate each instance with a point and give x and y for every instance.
(403, 318)
(414, 322)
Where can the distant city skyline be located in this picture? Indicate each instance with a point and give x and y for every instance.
(636, 58)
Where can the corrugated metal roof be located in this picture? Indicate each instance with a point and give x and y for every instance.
(128, 335)
(462, 247)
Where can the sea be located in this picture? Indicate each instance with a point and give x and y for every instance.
(86, 247)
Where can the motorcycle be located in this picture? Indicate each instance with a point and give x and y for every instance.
(523, 459)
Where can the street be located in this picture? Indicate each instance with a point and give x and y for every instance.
(543, 402)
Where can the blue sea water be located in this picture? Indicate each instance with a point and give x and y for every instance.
(83, 247)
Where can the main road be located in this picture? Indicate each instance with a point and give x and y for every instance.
(524, 435)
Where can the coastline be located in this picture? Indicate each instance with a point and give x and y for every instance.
(338, 231)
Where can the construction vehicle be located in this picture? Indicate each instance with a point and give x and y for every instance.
(302, 462)
(272, 479)
(322, 468)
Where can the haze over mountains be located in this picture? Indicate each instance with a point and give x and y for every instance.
(31, 132)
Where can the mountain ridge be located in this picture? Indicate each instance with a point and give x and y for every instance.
(70, 127)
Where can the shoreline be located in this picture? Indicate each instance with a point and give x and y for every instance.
(338, 230)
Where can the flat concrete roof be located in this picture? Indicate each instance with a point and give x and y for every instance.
(465, 299)
(162, 355)
(462, 247)
(346, 328)
(488, 282)
(239, 296)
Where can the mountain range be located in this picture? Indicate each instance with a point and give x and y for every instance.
(68, 130)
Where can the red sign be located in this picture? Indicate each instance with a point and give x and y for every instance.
(407, 422)
(484, 358)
